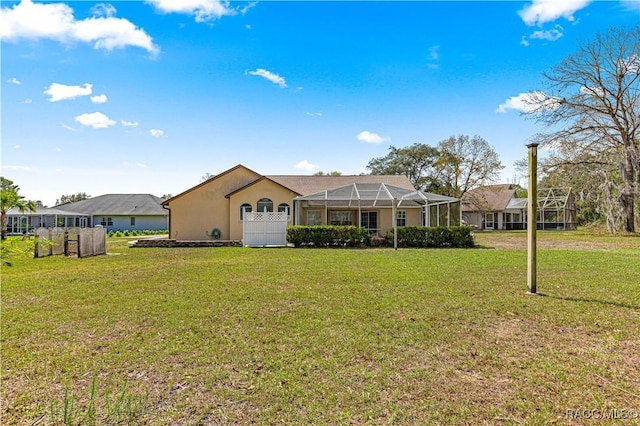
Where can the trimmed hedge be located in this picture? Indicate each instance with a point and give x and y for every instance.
(436, 237)
(328, 236)
(353, 236)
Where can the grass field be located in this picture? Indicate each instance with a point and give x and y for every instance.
(327, 336)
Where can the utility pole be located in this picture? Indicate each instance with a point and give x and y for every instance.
(532, 218)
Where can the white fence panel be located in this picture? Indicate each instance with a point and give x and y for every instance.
(262, 229)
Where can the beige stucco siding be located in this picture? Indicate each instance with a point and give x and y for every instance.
(264, 188)
(384, 216)
(195, 213)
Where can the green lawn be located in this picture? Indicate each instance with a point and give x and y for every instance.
(326, 336)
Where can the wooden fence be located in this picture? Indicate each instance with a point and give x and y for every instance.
(81, 242)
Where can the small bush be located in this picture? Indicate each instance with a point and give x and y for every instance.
(328, 236)
(433, 237)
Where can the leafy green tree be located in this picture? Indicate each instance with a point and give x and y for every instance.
(10, 198)
(592, 104)
(416, 162)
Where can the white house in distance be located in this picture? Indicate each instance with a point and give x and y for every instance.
(119, 212)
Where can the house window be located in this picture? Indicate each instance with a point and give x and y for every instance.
(133, 221)
(106, 221)
(244, 208)
(401, 218)
(340, 218)
(264, 203)
(284, 208)
(314, 217)
(369, 221)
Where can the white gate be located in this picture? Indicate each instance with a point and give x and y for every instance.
(264, 229)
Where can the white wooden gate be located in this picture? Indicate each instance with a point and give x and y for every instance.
(264, 229)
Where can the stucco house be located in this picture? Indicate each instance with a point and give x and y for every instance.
(119, 212)
(494, 207)
(220, 203)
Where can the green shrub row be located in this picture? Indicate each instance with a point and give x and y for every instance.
(135, 233)
(328, 236)
(422, 236)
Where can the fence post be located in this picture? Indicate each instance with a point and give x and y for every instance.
(36, 248)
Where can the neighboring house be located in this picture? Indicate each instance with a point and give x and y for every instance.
(21, 222)
(119, 212)
(497, 207)
(216, 207)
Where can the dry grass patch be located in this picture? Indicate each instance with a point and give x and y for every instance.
(304, 336)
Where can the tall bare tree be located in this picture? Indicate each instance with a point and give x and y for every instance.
(591, 104)
(466, 163)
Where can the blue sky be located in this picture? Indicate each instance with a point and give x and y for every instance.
(148, 97)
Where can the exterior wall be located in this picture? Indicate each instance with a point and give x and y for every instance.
(250, 195)
(195, 213)
(122, 223)
(473, 219)
(413, 216)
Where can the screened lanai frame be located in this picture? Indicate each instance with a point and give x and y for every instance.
(436, 210)
(556, 210)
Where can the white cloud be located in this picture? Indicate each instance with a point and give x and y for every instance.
(314, 114)
(542, 11)
(15, 81)
(55, 21)
(524, 41)
(550, 35)
(16, 147)
(59, 92)
(20, 168)
(103, 9)
(204, 10)
(99, 99)
(369, 137)
(527, 102)
(97, 120)
(156, 133)
(67, 127)
(28, 101)
(138, 165)
(305, 165)
(434, 54)
(126, 123)
(272, 77)
(57, 149)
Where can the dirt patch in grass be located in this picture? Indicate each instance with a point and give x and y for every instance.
(562, 240)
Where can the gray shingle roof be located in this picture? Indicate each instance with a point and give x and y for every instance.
(307, 185)
(118, 204)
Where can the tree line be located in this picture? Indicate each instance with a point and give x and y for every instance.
(452, 167)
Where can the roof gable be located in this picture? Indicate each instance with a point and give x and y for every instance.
(208, 181)
(262, 179)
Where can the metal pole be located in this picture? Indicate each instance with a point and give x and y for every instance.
(532, 216)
